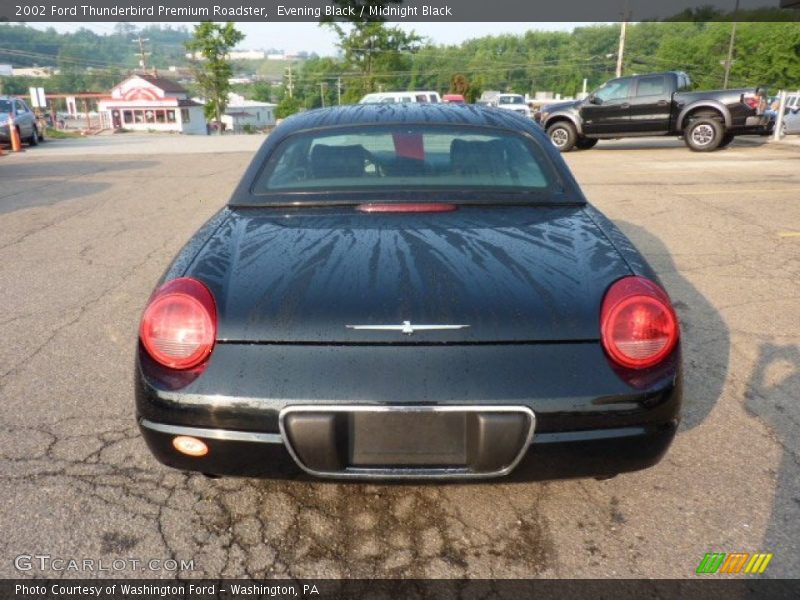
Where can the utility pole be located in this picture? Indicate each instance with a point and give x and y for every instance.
(322, 93)
(622, 30)
(339, 90)
(142, 54)
(289, 84)
(621, 50)
(729, 60)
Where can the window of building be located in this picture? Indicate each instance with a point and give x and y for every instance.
(170, 116)
(185, 115)
(127, 116)
(161, 117)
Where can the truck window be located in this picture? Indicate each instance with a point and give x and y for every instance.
(616, 89)
(652, 86)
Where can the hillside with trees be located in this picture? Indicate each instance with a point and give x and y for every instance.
(380, 56)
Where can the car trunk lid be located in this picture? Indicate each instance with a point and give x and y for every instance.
(481, 274)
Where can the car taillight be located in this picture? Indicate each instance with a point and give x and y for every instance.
(638, 325)
(752, 100)
(179, 325)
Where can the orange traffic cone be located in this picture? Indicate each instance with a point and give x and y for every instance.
(16, 143)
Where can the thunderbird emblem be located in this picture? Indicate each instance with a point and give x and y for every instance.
(407, 328)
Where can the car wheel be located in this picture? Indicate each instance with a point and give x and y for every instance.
(34, 139)
(704, 135)
(586, 143)
(563, 135)
(726, 140)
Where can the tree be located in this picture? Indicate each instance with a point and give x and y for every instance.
(459, 85)
(372, 47)
(210, 46)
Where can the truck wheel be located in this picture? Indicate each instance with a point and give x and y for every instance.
(704, 135)
(586, 143)
(726, 140)
(563, 135)
(34, 139)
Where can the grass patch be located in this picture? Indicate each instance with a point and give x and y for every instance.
(60, 134)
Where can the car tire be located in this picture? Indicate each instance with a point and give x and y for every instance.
(726, 140)
(704, 134)
(563, 135)
(586, 143)
(34, 139)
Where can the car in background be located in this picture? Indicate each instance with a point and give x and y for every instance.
(513, 102)
(408, 291)
(657, 104)
(29, 129)
(454, 99)
(401, 97)
(791, 122)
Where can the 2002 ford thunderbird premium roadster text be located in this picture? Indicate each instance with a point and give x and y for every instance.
(408, 291)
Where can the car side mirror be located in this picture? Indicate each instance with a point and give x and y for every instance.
(595, 100)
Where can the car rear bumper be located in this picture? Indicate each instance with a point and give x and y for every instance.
(596, 453)
(585, 419)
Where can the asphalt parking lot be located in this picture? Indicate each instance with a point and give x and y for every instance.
(87, 227)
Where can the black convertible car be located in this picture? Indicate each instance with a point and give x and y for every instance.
(408, 291)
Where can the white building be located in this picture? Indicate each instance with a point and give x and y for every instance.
(241, 112)
(152, 103)
(246, 55)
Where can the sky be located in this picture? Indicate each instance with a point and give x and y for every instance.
(296, 37)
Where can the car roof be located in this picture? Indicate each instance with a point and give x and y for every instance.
(411, 113)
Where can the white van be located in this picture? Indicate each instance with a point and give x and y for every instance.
(401, 97)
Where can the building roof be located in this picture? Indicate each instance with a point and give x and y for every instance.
(239, 114)
(168, 85)
(187, 102)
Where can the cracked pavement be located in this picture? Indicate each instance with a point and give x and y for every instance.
(85, 231)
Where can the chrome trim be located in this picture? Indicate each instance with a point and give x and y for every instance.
(414, 473)
(214, 434)
(406, 327)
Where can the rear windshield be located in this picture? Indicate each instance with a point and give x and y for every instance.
(403, 158)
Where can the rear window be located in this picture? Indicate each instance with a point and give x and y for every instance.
(5, 106)
(403, 158)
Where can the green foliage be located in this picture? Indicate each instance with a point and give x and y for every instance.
(767, 53)
(88, 62)
(375, 51)
(261, 91)
(211, 44)
(287, 107)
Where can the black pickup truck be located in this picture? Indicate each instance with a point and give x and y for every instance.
(656, 104)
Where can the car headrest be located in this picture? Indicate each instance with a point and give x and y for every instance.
(478, 158)
(337, 161)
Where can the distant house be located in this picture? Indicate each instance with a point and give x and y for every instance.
(153, 103)
(241, 112)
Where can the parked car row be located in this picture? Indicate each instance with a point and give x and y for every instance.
(30, 130)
